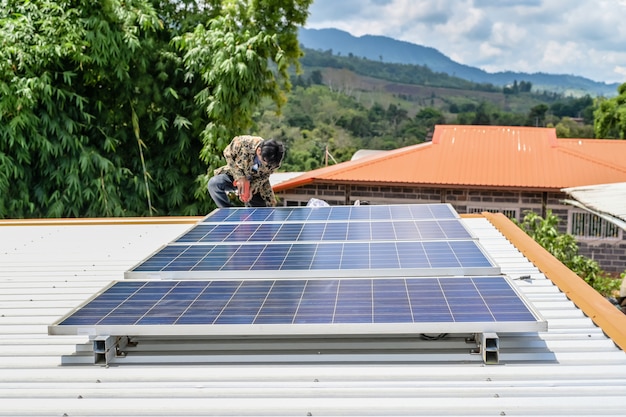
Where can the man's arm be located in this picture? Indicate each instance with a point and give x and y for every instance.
(235, 155)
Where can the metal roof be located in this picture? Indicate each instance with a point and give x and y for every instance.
(49, 267)
(278, 177)
(485, 156)
(605, 200)
(362, 153)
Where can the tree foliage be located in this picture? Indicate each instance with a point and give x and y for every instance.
(102, 114)
(563, 246)
(65, 77)
(233, 53)
(403, 73)
(610, 116)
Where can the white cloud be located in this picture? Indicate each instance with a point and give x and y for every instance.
(506, 35)
(585, 38)
(561, 54)
(620, 70)
(487, 50)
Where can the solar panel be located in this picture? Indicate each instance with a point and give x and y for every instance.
(364, 271)
(304, 306)
(339, 241)
(325, 231)
(338, 259)
(333, 213)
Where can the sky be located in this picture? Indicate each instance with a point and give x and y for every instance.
(579, 37)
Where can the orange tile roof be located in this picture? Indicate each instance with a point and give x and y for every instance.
(485, 156)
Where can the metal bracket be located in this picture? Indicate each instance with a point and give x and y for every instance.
(488, 345)
(490, 348)
(107, 348)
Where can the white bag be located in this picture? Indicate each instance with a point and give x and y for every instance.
(314, 202)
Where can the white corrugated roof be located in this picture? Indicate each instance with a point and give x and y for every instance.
(606, 200)
(278, 177)
(362, 153)
(47, 270)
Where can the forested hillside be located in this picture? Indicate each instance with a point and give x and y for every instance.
(342, 104)
(385, 49)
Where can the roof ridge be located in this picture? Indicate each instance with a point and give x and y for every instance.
(95, 221)
(484, 156)
(308, 177)
(610, 319)
(591, 159)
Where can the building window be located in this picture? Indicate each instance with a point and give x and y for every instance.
(510, 213)
(294, 203)
(588, 225)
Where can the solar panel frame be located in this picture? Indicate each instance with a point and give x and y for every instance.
(315, 231)
(426, 272)
(392, 306)
(324, 259)
(430, 211)
(317, 227)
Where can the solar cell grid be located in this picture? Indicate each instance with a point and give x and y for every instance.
(352, 264)
(333, 213)
(300, 301)
(341, 231)
(328, 256)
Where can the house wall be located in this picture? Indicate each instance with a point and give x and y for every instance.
(610, 253)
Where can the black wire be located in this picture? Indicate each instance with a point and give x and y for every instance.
(440, 336)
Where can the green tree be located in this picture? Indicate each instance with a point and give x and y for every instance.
(610, 116)
(563, 246)
(525, 86)
(396, 117)
(429, 117)
(568, 128)
(316, 77)
(572, 107)
(537, 115)
(101, 114)
(482, 115)
(65, 72)
(242, 53)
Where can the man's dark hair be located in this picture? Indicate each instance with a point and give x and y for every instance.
(272, 152)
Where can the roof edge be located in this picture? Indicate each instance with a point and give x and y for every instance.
(605, 215)
(322, 173)
(595, 306)
(298, 181)
(593, 160)
(100, 221)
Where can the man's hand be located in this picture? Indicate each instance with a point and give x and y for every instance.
(243, 188)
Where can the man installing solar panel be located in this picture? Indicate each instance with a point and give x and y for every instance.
(249, 162)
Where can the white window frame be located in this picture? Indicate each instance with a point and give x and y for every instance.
(506, 211)
(593, 226)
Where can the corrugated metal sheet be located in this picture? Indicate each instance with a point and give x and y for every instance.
(488, 156)
(603, 199)
(45, 271)
(610, 151)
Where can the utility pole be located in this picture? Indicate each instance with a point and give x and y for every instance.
(326, 155)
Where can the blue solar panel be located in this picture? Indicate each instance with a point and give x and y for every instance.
(489, 299)
(326, 231)
(343, 268)
(426, 239)
(394, 257)
(333, 213)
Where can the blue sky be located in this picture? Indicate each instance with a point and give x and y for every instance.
(580, 37)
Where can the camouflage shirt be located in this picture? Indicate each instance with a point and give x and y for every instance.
(240, 163)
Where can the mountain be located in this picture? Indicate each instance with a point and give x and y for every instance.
(381, 48)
